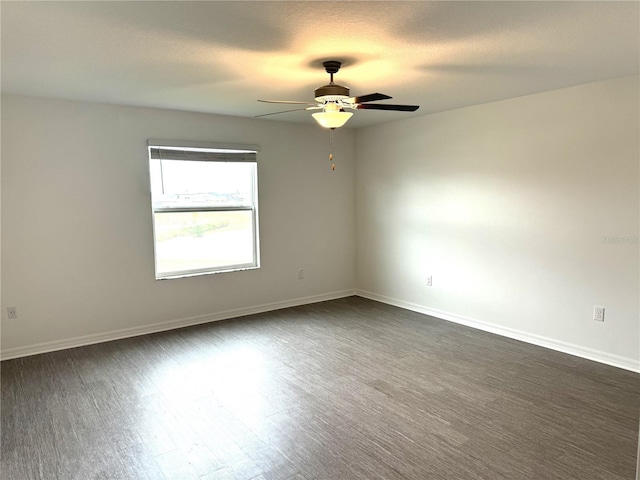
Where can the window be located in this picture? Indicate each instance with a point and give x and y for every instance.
(205, 208)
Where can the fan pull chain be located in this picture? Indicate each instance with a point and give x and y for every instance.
(333, 167)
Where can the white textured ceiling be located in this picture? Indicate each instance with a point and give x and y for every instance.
(220, 57)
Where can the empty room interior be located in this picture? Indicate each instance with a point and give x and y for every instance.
(217, 264)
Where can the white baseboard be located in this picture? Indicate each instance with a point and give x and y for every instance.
(163, 326)
(571, 349)
(576, 350)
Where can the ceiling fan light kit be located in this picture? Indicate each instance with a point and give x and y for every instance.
(332, 116)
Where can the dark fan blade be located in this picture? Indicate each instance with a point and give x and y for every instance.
(382, 106)
(276, 113)
(292, 102)
(372, 97)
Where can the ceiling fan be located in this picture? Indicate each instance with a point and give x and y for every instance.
(334, 100)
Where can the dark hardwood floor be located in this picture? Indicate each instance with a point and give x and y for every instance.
(348, 389)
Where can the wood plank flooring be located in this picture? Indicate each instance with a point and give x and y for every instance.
(348, 389)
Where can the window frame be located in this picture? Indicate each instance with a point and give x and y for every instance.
(252, 207)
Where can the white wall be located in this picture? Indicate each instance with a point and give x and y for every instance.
(506, 206)
(77, 245)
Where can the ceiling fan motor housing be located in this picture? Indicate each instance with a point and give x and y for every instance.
(331, 92)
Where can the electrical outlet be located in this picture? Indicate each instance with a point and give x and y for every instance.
(300, 274)
(598, 314)
(12, 312)
(429, 281)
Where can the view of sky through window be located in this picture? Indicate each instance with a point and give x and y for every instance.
(174, 182)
